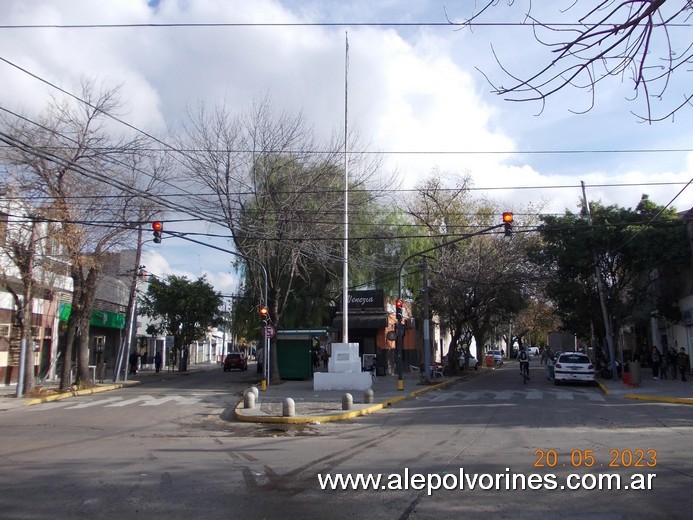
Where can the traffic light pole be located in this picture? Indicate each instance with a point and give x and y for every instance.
(399, 327)
(265, 346)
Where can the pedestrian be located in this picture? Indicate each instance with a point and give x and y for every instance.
(157, 361)
(325, 358)
(549, 368)
(683, 363)
(655, 359)
(673, 362)
(134, 360)
(664, 365)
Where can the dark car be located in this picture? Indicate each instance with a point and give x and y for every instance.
(235, 360)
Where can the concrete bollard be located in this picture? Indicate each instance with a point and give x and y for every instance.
(249, 400)
(368, 396)
(347, 401)
(255, 391)
(288, 407)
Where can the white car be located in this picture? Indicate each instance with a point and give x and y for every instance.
(473, 362)
(573, 366)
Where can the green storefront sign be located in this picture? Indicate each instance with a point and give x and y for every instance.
(111, 320)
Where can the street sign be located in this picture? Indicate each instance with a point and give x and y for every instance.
(269, 331)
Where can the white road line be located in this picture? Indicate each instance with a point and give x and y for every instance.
(93, 403)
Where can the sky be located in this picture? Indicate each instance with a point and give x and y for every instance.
(418, 91)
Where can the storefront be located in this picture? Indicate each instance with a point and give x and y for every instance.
(370, 319)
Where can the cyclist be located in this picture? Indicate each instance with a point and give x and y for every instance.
(523, 358)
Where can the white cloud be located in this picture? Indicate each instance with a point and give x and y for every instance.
(410, 90)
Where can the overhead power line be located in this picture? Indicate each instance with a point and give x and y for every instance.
(203, 25)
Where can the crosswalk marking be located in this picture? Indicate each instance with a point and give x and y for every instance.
(93, 403)
(119, 402)
(506, 395)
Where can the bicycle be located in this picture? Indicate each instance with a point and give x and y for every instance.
(524, 369)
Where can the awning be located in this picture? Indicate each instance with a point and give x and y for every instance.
(363, 320)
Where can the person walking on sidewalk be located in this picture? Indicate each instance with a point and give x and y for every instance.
(664, 365)
(673, 362)
(683, 363)
(656, 360)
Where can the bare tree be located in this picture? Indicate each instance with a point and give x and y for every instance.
(647, 41)
(93, 182)
(19, 248)
(476, 283)
(278, 191)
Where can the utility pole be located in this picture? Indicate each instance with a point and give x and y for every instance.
(124, 350)
(426, 326)
(600, 289)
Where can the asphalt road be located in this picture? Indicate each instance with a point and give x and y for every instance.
(169, 449)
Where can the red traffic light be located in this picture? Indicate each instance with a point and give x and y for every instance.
(399, 304)
(158, 227)
(264, 313)
(508, 223)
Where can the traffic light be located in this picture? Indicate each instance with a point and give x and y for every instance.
(508, 223)
(398, 310)
(158, 227)
(264, 315)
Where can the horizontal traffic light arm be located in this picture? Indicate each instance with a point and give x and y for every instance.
(458, 239)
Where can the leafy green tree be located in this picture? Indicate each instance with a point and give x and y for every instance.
(281, 200)
(629, 245)
(185, 310)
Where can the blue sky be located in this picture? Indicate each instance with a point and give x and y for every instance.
(411, 88)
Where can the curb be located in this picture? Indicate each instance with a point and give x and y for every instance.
(656, 399)
(603, 388)
(75, 393)
(335, 416)
(651, 398)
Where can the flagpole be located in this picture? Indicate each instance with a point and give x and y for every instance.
(345, 291)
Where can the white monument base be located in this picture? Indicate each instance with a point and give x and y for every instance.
(342, 380)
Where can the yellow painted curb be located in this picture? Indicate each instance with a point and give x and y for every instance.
(656, 399)
(75, 393)
(603, 388)
(336, 416)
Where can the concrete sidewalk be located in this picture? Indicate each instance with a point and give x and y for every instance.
(313, 406)
(669, 390)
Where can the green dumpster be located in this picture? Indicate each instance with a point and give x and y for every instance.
(294, 348)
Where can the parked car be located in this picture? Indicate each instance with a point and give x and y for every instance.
(573, 366)
(235, 360)
(533, 351)
(473, 362)
(497, 357)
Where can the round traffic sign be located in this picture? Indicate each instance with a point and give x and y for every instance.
(269, 331)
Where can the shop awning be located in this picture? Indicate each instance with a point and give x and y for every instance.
(363, 320)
